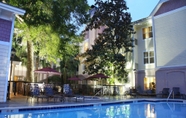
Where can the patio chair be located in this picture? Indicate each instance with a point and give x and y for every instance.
(146, 93)
(164, 92)
(132, 92)
(71, 95)
(35, 93)
(176, 92)
(49, 92)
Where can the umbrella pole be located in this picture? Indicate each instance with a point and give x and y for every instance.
(47, 77)
(102, 86)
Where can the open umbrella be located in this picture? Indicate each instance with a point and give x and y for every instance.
(97, 76)
(78, 77)
(82, 76)
(48, 71)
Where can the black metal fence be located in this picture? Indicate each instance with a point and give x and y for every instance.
(23, 88)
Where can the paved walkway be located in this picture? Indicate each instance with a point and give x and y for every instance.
(19, 102)
(22, 101)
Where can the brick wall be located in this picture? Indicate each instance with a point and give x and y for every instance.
(5, 30)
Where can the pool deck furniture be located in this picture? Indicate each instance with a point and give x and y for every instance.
(147, 93)
(47, 94)
(164, 93)
(21, 102)
(131, 92)
(50, 93)
(71, 96)
(176, 93)
(35, 93)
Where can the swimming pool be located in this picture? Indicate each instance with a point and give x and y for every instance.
(130, 109)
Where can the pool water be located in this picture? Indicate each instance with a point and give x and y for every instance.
(129, 110)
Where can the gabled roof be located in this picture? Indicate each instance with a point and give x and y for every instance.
(12, 9)
(169, 6)
(163, 6)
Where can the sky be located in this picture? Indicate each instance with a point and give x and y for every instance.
(138, 8)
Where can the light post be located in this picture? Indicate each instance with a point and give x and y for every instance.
(13, 51)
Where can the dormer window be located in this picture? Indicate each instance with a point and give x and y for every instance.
(147, 32)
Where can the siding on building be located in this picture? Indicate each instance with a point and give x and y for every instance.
(4, 57)
(171, 38)
(5, 31)
(5, 28)
(7, 17)
(143, 45)
(170, 42)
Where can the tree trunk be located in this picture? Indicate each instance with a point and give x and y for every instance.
(30, 62)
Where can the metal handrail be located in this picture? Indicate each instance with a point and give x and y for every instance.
(98, 92)
(101, 91)
(172, 92)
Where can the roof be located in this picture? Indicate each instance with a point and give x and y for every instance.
(140, 21)
(163, 6)
(12, 9)
(170, 5)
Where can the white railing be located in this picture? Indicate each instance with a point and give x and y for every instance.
(101, 91)
(170, 95)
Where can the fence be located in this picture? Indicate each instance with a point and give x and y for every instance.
(21, 87)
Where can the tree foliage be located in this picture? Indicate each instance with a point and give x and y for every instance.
(108, 54)
(49, 26)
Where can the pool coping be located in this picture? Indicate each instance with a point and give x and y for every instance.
(82, 104)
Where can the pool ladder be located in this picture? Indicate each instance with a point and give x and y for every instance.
(172, 92)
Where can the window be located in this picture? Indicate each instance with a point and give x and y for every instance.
(150, 83)
(147, 32)
(148, 57)
(86, 46)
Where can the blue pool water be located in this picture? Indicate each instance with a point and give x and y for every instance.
(124, 110)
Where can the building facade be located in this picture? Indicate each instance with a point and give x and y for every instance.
(158, 59)
(160, 52)
(7, 17)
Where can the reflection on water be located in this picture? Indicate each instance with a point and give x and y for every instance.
(133, 110)
(119, 110)
(150, 111)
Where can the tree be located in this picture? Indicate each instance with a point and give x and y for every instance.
(69, 64)
(45, 24)
(108, 54)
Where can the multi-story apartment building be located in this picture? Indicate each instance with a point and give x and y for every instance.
(160, 52)
(159, 56)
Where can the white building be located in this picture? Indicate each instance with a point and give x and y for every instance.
(7, 17)
(160, 53)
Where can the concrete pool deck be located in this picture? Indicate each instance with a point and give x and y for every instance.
(21, 102)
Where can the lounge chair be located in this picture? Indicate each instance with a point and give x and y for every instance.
(35, 93)
(132, 92)
(176, 92)
(71, 95)
(147, 93)
(164, 92)
(49, 92)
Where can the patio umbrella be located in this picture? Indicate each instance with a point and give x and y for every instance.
(82, 76)
(48, 71)
(74, 78)
(100, 76)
